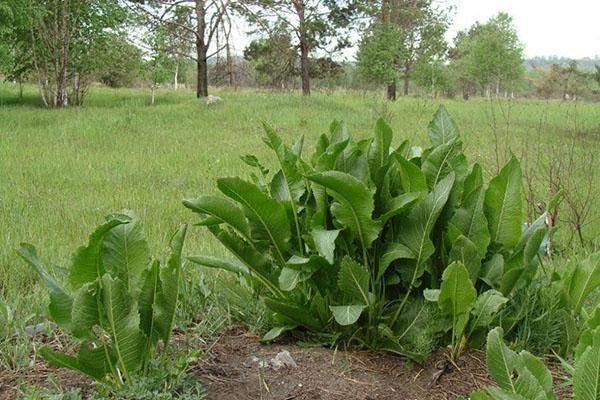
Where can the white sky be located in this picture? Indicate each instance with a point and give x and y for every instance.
(546, 27)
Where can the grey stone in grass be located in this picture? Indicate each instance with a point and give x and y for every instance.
(33, 330)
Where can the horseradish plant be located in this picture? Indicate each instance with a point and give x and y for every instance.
(524, 376)
(342, 245)
(119, 302)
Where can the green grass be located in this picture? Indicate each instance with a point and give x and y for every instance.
(62, 171)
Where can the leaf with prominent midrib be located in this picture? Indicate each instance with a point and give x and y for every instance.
(90, 361)
(85, 310)
(354, 204)
(292, 179)
(504, 205)
(442, 160)
(501, 361)
(442, 129)
(486, 307)
(234, 266)
(125, 252)
(147, 301)
(353, 280)
(419, 223)
(255, 261)
(60, 301)
(464, 250)
(582, 281)
(393, 251)
(470, 217)
(411, 176)
(222, 209)
(457, 296)
(166, 301)
(122, 325)
(294, 313)
(586, 380)
(87, 265)
(325, 242)
(379, 150)
(268, 219)
(347, 315)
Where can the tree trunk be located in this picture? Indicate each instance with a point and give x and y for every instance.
(202, 85)
(391, 91)
(175, 82)
(152, 98)
(407, 68)
(304, 46)
(201, 51)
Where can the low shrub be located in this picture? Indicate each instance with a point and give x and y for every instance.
(119, 302)
(357, 242)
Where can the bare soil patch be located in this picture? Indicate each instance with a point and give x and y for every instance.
(230, 372)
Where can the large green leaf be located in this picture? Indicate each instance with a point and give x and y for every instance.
(586, 380)
(267, 217)
(457, 296)
(325, 242)
(590, 333)
(465, 251)
(146, 302)
(411, 176)
(393, 251)
(170, 279)
(379, 150)
(471, 221)
(87, 265)
(294, 313)
(90, 362)
(234, 266)
(400, 204)
(259, 266)
(293, 180)
(288, 184)
(85, 314)
(443, 160)
(419, 223)
(122, 321)
(125, 252)
(582, 281)
(442, 128)
(354, 206)
(504, 205)
(347, 315)
(541, 378)
(486, 307)
(501, 361)
(60, 301)
(353, 280)
(220, 208)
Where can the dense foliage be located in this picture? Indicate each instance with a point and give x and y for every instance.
(342, 246)
(120, 303)
(524, 376)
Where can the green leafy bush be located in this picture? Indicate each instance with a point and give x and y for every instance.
(342, 245)
(119, 303)
(524, 376)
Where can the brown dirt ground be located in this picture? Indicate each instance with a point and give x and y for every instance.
(230, 372)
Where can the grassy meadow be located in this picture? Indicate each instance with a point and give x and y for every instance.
(62, 171)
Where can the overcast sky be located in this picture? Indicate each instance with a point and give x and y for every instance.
(546, 27)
